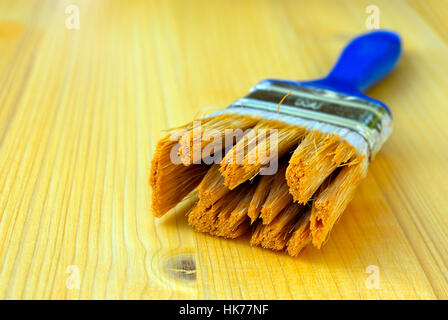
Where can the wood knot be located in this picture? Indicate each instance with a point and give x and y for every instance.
(181, 267)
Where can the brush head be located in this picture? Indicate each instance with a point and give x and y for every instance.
(293, 157)
(322, 109)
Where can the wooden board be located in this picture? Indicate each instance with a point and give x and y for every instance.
(81, 111)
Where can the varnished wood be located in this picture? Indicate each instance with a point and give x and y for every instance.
(81, 111)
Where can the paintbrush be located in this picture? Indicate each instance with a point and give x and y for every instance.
(284, 161)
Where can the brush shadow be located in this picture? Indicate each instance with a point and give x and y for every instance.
(362, 236)
(177, 218)
(179, 212)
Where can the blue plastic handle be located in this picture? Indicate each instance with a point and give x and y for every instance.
(365, 60)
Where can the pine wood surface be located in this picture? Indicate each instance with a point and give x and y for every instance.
(81, 111)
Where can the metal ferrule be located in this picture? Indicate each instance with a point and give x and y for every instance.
(368, 119)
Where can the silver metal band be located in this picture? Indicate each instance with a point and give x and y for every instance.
(370, 120)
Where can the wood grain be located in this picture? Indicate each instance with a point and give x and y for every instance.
(81, 111)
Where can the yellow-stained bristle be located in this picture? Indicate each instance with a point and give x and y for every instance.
(227, 216)
(230, 222)
(301, 236)
(278, 197)
(170, 183)
(276, 234)
(205, 218)
(229, 203)
(260, 195)
(212, 186)
(334, 198)
(258, 149)
(317, 156)
(196, 220)
(211, 134)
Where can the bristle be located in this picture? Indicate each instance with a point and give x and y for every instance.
(301, 236)
(333, 199)
(230, 199)
(276, 234)
(197, 220)
(317, 156)
(227, 216)
(205, 218)
(278, 197)
(207, 136)
(212, 186)
(229, 213)
(268, 141)
(170, 183)
(235, 222)
(260, 195)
